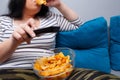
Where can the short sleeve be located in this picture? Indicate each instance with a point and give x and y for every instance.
(66, 25)
(5, 24)
(1, 30)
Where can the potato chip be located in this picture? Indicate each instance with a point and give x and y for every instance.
(40, 2)
(53, 65)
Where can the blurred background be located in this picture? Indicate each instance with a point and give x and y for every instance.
(87, 9)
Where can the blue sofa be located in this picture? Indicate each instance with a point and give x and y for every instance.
(96, 45)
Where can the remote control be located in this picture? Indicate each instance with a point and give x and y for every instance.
(51, 29)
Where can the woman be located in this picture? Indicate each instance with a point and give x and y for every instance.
(19, 50)
(23, 18)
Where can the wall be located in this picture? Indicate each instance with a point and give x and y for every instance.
(87, 9)
(3, 6)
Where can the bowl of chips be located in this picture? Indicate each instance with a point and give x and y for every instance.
(58, 66)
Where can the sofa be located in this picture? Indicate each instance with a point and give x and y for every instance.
(96, 44)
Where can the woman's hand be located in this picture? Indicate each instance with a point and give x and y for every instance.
(21, 32)
(53, 3)
(19, 35)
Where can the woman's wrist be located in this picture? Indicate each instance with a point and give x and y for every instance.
(14, 42)
(60, 5)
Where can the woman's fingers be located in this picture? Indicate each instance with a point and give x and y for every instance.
(17, 36)
(31, 23)
(53, 3)
(21, 32)
(28, 41)
(29, 31)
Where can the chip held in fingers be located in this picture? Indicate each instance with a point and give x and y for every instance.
(40, 2)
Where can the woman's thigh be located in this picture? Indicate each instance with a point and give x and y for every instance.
(17, 74)
(77, 74)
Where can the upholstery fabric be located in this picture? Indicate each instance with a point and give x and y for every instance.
(90, 42)
(115, 42)
(77, 74)
(88, 74)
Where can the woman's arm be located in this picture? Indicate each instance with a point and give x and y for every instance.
(67, 12)
(7, 48)
(19, 35)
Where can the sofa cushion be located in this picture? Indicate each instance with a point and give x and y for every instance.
(115, 42)
(90, 42)
(94, 58)
(92, 33)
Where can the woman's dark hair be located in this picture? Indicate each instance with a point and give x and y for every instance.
(16, 8)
